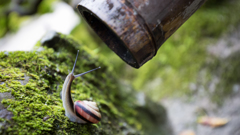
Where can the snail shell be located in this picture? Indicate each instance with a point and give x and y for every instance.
(87, 111)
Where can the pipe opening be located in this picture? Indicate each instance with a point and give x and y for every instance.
(110, 38)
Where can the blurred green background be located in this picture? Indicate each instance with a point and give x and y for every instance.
(182, 66)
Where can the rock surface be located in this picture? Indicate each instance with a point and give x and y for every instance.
(31, 83)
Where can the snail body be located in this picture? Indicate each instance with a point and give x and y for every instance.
(79, 111)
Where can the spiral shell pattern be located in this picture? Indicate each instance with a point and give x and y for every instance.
(87, 111)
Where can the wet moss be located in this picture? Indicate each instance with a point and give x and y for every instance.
(35, 80)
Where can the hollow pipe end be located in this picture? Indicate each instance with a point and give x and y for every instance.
(121, 28)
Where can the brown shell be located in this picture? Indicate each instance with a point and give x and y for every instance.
(87, 111)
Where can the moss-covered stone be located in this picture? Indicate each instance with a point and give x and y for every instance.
(35, 81)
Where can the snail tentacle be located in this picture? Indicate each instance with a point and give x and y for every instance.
(85, 72)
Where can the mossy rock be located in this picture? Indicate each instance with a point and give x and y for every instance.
(33, 81)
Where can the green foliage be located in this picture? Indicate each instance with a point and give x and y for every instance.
(3, 18)
(2, 26)
(12, 21)
(214, 3)
(183, 55)
(45, 6)
(228, 70)
(4, 2)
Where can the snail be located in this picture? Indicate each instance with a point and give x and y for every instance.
(79, 111)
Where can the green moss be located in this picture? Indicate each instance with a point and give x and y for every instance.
(37, 107)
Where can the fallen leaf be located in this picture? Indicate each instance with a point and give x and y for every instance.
(187, 132)
(212, 121)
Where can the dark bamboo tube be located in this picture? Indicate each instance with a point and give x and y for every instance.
(135, 29)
